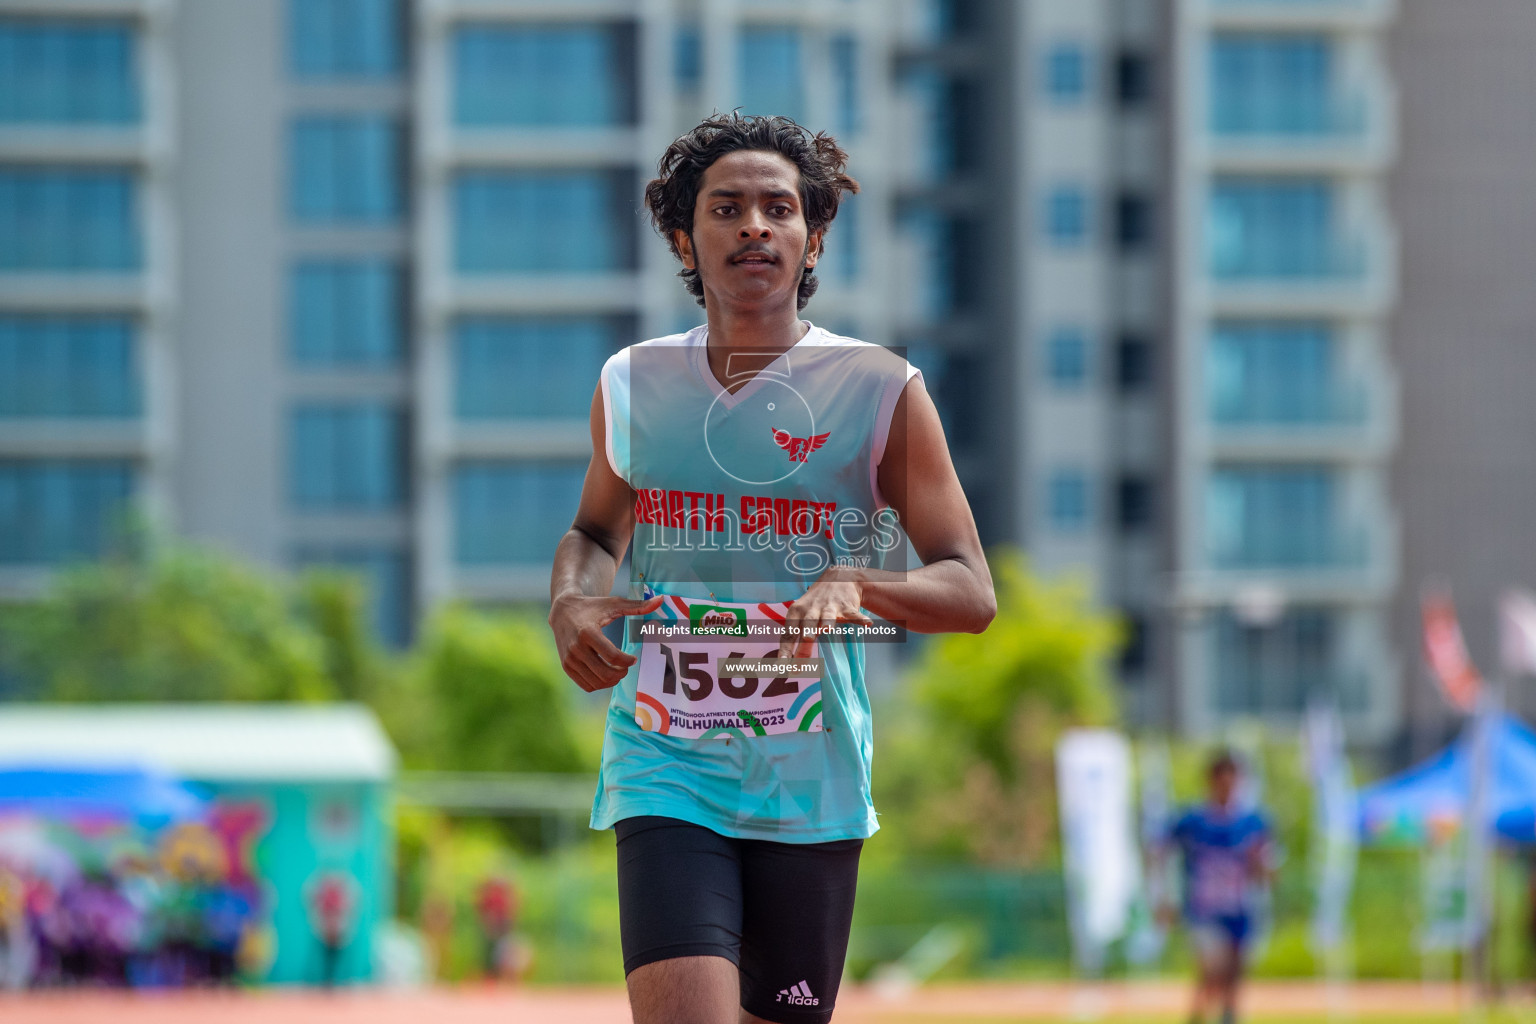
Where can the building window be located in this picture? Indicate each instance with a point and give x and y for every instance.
(1273, 227)
(58, 510)
(1133, 79)
(347, 457)
(840, 246)
(68, 366)
(1270, 84)
(1273, 372)
(346, 38)
(68, 219)
(1279, 516)
(929, 93)
(1133, 504)
(68, 71)
(845, 76)
(688, 57)
(1067, 358)
(1067, 501)
(347, 169)
(520, 367)
(1066, 215)
(1133, 222)
(556, 75)
(385, 575)
(513, 513)
(1278, 667)
(1066, 73)
(1133, 363)
(933, 237)
(770, 78)
(543, 221)
(347, 313)
(1134, 653)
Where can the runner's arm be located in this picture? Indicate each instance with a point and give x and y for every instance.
(952, 591)
(586, 560)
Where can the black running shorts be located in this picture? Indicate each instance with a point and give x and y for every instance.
(779, 911)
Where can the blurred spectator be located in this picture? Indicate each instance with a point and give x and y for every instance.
(332, 907)
(496, 905)
(1227, 854)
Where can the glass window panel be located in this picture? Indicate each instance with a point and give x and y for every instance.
(347, 457)
(573, 75)
(1270, 83)
(68, 366)
(932, 235)
(1067, 500)
(347, 313)
(1271, 371)
(346, 169)
(840, 250)
(1066, 72)
(75, 71)
(688, 57)
(770, 79)
(68, 219)
(1271, 228)
(1279, 516)
(1277, 667)
(1067, 357)
(845, 72)
(58, 510)
(545, 221)
(513, 513)
(345, 38)
(508, 367)
(1066, 215)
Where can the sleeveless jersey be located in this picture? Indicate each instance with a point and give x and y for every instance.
(742, 499)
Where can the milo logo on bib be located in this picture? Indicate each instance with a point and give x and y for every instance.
(717, 620)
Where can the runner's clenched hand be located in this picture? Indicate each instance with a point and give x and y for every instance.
(827, 602)
(588, 656)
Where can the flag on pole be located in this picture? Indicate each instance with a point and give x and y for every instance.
(1445, 651)
(1517, 632)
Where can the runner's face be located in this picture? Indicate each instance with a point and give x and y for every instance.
(750, 239)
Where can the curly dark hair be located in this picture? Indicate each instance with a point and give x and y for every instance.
(671, 194)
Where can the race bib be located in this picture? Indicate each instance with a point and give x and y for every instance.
(687, 688)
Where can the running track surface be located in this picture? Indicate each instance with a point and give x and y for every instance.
(984, 1002)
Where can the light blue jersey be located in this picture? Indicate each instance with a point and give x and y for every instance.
(742, 500)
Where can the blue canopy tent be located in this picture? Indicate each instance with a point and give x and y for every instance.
(1430, 798)
(145, 797)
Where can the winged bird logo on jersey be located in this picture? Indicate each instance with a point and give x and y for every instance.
(799, 447)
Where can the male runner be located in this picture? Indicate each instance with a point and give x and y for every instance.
(759, 464)
(1227, 854)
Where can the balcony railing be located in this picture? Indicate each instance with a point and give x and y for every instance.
(1300, 5)
(1288, 118)
(1291, 405)
(1342, 260)
(1250, 690)
(1295, 548)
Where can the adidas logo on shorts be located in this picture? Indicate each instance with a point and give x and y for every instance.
(798, 995)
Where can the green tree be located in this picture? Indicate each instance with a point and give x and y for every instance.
(498, 695)
(179, 623)
(968, 769)
(334, 604)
